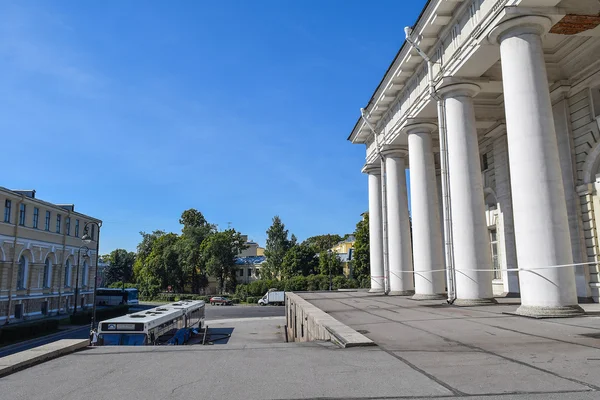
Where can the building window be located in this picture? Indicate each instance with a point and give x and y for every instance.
(22, 273)
(7, 210)
(494, 251)
(58, 217)
(36, 217)
(84, 278)
(22, 209)
(68, 225)
(455, 36)
(47, 273)
(249, 272)
(473, 12)
(241, 272)
(484, 162)
(48, 221)
(76, 228)
(18, 311)
(68, 274)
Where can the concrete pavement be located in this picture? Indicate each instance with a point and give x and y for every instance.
(426, 350)
(477, 350)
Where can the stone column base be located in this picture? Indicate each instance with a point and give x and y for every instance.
(401, 293)
(550, 312)
(474, 302)
(438, 296)
(376, 290)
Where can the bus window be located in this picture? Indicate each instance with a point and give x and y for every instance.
(136, 339)
(111, 339)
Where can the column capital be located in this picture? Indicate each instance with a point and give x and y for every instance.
(453, 88)
(395, 150)
(372, 169)
(536, 24)
(419, 127)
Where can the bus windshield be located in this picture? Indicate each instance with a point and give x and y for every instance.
(124, 339)
(132, 295)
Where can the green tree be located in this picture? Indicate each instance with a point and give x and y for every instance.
(144, 248)
(194, 232)
(277, 246)
(163, 262)
(300, 259)
(361, 269)
(219, 252)
(323, 242)
(329, 261)
(120, 266)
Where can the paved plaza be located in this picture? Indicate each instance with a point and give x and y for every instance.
(425, 350)
(477, 350)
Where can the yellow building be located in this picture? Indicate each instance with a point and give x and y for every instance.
(39, 255)
(344, 250)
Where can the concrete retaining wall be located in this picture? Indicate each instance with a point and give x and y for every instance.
(37, 355)
(306, 322)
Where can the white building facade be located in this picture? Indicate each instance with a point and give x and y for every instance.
(495, 110)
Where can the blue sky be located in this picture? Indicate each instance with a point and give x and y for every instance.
(135, 111)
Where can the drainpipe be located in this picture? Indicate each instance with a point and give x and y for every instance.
(446, 201)
(14, 260)
(386, 264)
(62, 271)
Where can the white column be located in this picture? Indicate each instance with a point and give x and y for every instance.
(427, 230)
(510, 279)
(538, 196)
(375, 227)
(398, 220)
(469, 227)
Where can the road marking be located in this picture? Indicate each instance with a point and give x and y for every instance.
(223, 321)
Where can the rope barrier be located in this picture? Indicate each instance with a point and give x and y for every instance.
(499, 269)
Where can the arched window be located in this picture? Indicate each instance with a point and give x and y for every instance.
(84, 279)
(68, 274)
(47, 273)
(22, 273)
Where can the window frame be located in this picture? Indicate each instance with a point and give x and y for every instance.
(68, 225)
(58, 222)
(48, 219)
(22, 214)
(76, 228)
(7, 210)
(36, 217)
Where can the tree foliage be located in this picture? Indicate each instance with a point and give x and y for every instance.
(323, 242)
(300, 259)
(219, 252)
(361, 268)
(120, 266)
(277, 246)
(330, 264)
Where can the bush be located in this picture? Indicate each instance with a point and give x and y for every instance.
(85, 317)
(241, 292)
(251, 300)
(12, 333)
(235, 300)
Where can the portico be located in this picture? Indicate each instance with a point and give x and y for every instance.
(515, 88)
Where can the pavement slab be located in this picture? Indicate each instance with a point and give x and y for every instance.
(478, 350)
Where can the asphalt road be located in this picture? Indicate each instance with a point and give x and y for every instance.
(212, 313)
(237, 311)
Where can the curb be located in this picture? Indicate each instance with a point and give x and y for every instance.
(315, 324)
(28, 358)
(49, 336)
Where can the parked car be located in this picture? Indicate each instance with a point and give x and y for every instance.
(221, 301)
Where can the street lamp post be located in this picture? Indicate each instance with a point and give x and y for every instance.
(77, 276)
(88, 239)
